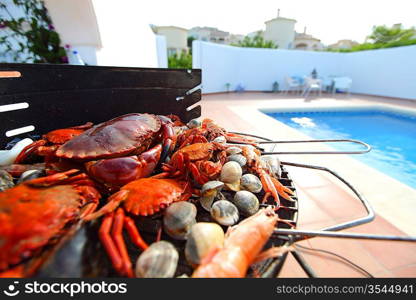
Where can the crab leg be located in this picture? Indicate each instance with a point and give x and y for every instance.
(53, 179)
(134, 234)
(113, 202)
(29, 149)
(110, 247)
(117, 234)
(168, 140)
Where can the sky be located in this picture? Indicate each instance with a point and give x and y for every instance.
(328, 20)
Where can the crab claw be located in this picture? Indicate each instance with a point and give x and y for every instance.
(116, 172)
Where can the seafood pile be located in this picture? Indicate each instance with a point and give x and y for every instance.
(209, 197)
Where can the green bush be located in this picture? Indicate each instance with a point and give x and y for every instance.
(182, 61)
(255, 42)
(34, 34)
(384, 37)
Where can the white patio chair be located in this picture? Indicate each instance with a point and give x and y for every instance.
(292, 85)
(312, 84)
(343, 84)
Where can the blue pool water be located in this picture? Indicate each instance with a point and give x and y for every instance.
(391, 135)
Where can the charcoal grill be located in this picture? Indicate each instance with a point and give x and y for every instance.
(59, 96)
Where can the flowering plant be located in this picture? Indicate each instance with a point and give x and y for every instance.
(31, 37)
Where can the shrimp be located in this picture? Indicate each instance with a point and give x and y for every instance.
(270, 184)
(241, 248)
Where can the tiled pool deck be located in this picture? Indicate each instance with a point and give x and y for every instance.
(323, 201)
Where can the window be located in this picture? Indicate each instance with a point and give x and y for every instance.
(301, 46)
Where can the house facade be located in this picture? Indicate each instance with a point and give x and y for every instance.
(343, 44)
(210, 34)
(304, 41)
(281, 31)
(176, 38)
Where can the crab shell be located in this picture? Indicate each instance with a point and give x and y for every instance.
(31, 216)
(197, 151)
(120, 136)
(147, 196)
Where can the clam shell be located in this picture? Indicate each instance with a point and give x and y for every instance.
(230, 174)
(246, 202)
(178, 219)
(220, 139)
(224, 212)
(194, 123)
(31, 174)
(251, 183)
(211, 187)
(272, 162)
(6, 181)
(209, 191)
(206, 202)
(202, 238)
(240, 159)
(233, 150)
(160, 260)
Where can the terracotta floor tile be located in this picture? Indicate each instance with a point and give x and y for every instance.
(291, 269)
(310, 212)
(407, 271)
(384, 274)
(307, 178)
(380, 226)
(328, 265)
(389, 253)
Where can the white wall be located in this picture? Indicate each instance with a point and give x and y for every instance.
(162, 53)
(127, 39)
(256, 69)
(387, 72)
(219, 65)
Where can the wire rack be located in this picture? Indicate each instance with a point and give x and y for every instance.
(293, 235)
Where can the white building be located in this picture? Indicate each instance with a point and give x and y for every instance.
(304, 41)
(235, 38)
(211, 34)
(176, 38)
(281, 31)
(343, 44)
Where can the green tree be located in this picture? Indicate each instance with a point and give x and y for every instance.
(255, 42)
(384, 37)
(396, 33)
(31, 38)
(182, 61)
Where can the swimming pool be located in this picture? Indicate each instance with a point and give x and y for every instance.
(392, 136)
